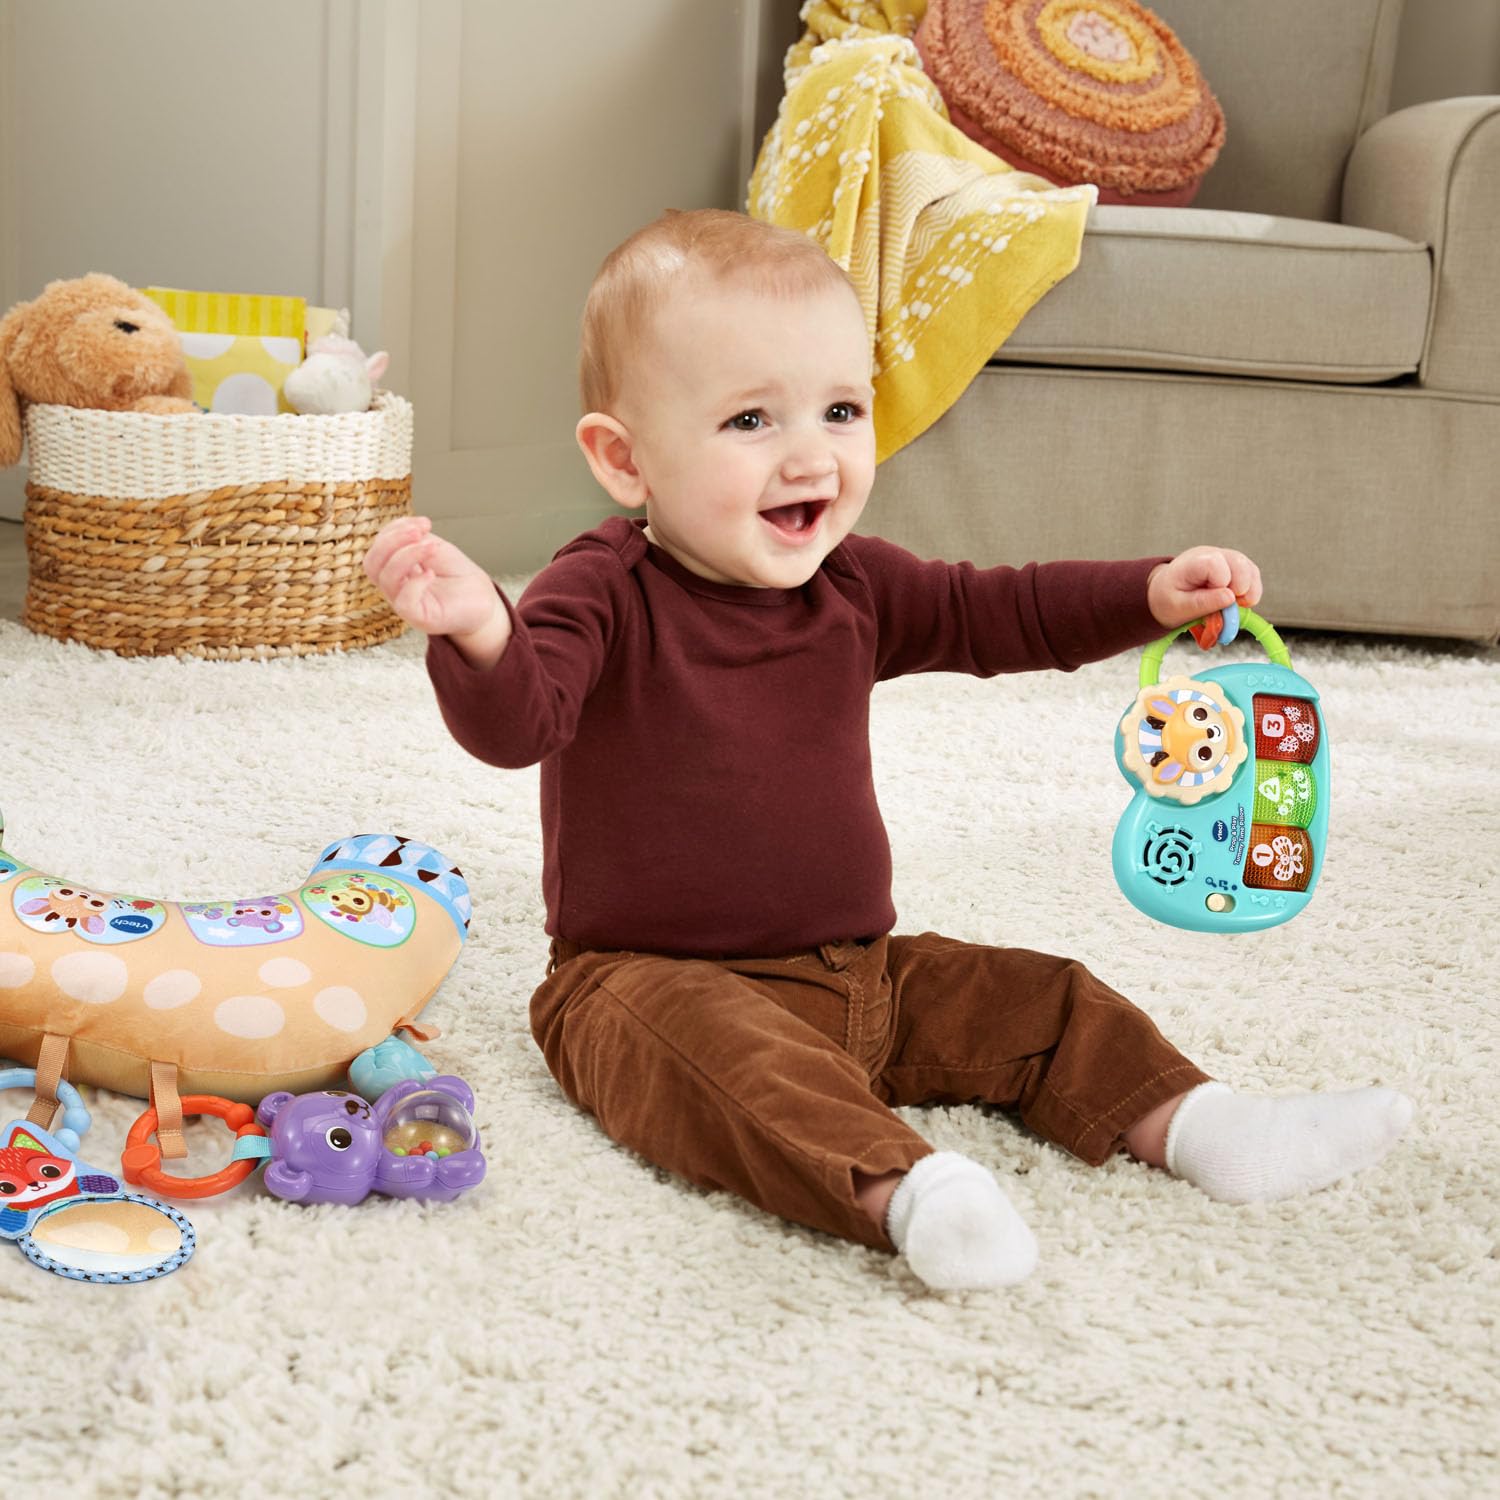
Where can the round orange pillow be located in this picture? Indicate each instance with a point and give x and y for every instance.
(1076, 91)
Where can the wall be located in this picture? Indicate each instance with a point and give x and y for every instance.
(541, 141)
(1447, 47)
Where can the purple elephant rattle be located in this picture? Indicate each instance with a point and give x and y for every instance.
(416, 1141)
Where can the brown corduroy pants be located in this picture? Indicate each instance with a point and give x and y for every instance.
(774, 1078)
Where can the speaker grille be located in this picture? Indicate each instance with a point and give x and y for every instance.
(1168, 855)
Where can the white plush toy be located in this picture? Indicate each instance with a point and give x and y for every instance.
(335, 377)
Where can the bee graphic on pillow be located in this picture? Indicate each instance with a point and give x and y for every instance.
(1184, 739)
(358, 902)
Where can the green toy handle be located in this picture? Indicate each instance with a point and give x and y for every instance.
(1261, 629)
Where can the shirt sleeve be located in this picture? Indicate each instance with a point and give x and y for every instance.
(953, 617)
(526, 706)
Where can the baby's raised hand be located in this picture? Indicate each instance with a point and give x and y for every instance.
(436, 587)
(1199, 581)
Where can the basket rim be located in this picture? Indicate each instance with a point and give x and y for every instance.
(154, 456)
(384, 403)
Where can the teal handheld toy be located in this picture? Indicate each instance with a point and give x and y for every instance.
(73, 1219)
(1229, 824)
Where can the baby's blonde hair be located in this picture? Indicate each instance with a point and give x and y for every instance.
(638, 275)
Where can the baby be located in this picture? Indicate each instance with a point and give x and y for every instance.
(725, 994)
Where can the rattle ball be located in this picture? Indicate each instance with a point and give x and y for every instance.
(429, 1123)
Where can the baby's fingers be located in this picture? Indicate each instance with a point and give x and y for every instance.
(393, 535)
(415, 602)
(1206, 601)
(1246, 582)
(407, 563)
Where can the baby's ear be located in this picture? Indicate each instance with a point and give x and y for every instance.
(609, 448)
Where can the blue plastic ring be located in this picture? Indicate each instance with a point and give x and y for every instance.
(76, 1119)
(1231, 628)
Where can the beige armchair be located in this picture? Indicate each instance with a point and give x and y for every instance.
(1305, 364)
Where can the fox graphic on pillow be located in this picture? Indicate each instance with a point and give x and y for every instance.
(32, 1175)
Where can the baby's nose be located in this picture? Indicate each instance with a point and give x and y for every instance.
(808, 462)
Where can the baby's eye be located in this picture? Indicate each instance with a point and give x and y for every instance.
(746, 421)
(845, 411)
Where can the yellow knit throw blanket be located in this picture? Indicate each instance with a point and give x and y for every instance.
(948, 246)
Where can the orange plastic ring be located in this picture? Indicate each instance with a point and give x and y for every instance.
(141, 1158)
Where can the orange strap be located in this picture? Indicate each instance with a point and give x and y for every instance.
(51, 1066)
(422, 1033)
(167, 1107)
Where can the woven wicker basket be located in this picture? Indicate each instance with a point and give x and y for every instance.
(216, 536)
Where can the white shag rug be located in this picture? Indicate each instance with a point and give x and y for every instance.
(585, 1326)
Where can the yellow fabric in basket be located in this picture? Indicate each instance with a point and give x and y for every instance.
(948, 246)
(239, 347)
(232, 312)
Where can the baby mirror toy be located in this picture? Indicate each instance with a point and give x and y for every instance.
(73, 1219)
(1229, 823)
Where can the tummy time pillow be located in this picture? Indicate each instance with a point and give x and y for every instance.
(1076, 91)
(241, 996)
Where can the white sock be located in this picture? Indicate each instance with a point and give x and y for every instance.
(1249, 1148)
(956, 1228)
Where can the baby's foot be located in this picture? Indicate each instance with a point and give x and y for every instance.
(1244, 1149)
(957, 1229)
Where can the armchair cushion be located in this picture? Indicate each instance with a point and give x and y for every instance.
(1209, 291)
(1432, 172)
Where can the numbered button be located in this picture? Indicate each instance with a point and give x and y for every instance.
(1280, 857)
(1285, 728)
(1284, 793)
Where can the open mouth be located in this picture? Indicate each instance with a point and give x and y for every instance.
(797, 520)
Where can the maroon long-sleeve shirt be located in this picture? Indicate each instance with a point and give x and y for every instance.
(706, 781)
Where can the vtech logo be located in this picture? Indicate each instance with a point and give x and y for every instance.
(1221, 830)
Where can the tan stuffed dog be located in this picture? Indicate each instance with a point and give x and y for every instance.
(92, 342)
